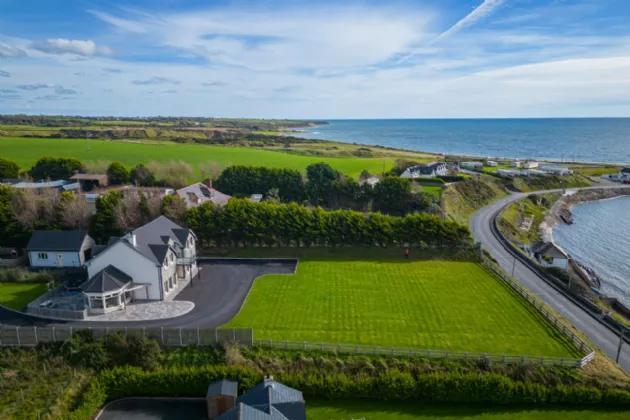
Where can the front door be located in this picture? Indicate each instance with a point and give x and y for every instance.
(59, 260)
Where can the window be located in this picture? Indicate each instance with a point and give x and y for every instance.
(42, 255)
(172, 257)
(165, 286)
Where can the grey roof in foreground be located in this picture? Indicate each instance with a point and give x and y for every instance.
(548, 249)
(222, 387)
(150, 241)
(245, 412)
(56, 240)
(107, 280)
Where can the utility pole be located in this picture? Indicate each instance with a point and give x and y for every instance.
(623, 330)
(513, 266)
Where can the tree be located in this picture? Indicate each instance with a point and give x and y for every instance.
(364, 175)
(12, 232)
(117, 173)
(104, 222)
(73, 212)
(174, 207)
(142, 176)
(9, 169)
(56, 168)
(273, 195)
(242, 181)
(393, 196)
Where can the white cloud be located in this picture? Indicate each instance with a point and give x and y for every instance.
(156, 81)
(4, 73)
(9, 51)
(70, 46)
(484, 10)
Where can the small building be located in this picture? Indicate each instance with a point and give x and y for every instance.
(556, 170)
(160, 255)
(109, 290)
(89, 182)
(508, 173)
(221, 397)
(516, 164)
(530, 165)
(57, 185)
(199, 193)
(59, 248)
(533, 172)
(430, 170)
(256, 198)
(492, 164)
(550, 255)
(471, 166)
(372, 181)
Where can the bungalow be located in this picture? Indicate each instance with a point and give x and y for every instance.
(150, 262)
(59, 248)
(516, 164)
(509, 173)
(472, 166)
(430, 170)
(556, 170)
(199, 193)
(492, 163)
(530, 165)
(550, 255)
(624, 175)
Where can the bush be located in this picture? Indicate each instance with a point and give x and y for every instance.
(430, 181)
(56, 168)
(117, 173)
(12, 275)
(142, 176)
(9, 169)
(451, 178)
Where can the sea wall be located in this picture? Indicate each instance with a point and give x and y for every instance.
(561, 210)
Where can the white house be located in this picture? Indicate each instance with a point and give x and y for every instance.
(508, 173)
(516, 164)
(624, 175)
(530, 165)
(155, 260)
(372, 181)
(472, 166)
(550, 255)
(430, 170)
(59, 248)
(556, 170)
(492, 163)
(198, 193)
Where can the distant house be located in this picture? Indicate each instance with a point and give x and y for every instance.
(199, 193)
(530, 165)
(492, 164)
(533, 172)
(556, 170)
(624, 175)
(256, 198)
(471, 166)
(89, 182)
(509, 173)
(269, 400)
(59, 248)
(371, 181)
(58, 185)
(516, 164)
(430, 170)
(550, 255)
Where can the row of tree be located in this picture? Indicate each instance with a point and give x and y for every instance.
(242, 222)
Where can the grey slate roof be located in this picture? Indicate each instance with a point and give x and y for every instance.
(108, 279)
(625, 171)
(270, 392)
(150, 241)
(56, 240)
(548, 249)
(427, 169)
(246, 412)
(222, 387)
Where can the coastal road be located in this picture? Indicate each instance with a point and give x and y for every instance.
(600, 335)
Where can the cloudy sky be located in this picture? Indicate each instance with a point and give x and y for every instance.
(316, 59)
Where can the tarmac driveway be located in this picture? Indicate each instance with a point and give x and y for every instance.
(218, 293)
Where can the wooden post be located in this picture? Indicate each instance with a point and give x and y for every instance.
(17, 334)
(216, 336)
(198, 338)
(53, 334)
(233, 335)
(35, 332)
(162, 334)
(180, 337)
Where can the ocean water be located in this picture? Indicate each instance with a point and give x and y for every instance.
(600, 239)
(587, 139)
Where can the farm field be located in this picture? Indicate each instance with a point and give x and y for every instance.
(26, 151)
(437, 305)
(347, 410)
(18, 295)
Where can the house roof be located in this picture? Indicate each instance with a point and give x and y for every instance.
(202, 193)
(89, 177)
(246, 412)
(256, 198)
(270, 392)
(56, 240)
(222, 387)
(43, 184)
(108, 279)
(73, 186)
(625, 171)
(159, 251)
(150, 238)
(549, 249)
(425, 169)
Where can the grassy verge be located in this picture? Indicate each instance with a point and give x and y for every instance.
(348, 410)
(540, 183)
(432, 305)
(26, 151)
(18, 295)
(534, 208)
(460, 200)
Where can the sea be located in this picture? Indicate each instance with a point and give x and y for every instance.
(581, 139)
(600, 239)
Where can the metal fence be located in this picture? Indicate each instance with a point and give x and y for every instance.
(411, 352)
(577, 342)
(31, 336)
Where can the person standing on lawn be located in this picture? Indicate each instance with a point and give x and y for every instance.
(407, 253)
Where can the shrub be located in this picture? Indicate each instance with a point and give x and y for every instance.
(451, 178)
(142, 176)
(9, 169)
(12, 275)
(56, 168)
(117, 173)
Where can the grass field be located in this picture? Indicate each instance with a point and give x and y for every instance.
(26, 151)
(18, 295)
(348, 410)
(428, 304)
(436, 191)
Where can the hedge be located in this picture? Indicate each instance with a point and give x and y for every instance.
(393, 385)
(451, 178)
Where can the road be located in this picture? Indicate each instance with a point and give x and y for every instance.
(600, 335)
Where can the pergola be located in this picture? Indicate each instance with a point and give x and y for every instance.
(109, 290)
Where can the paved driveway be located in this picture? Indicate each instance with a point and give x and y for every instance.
(218, 294)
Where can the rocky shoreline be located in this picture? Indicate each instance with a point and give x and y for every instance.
(561, 210)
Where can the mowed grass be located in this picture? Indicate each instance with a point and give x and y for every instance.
(348, 410)
(439, 305)
(26, 151)
(18, 295)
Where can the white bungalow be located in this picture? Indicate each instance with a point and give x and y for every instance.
(530, 165)
(550, 255)
(556, 170)
(492, 164)
(152, 262)
(472, 166)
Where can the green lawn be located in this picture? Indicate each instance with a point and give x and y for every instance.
(421, 304)
(18, 295)
(26, 151)
(436, 191)
(348, 410)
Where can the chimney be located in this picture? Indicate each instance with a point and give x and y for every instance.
(132, 239)
(268, 378)
(209, 183)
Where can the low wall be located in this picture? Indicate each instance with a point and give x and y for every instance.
(32, 336)
(13, 262)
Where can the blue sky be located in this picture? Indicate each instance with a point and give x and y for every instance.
(316, 59)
